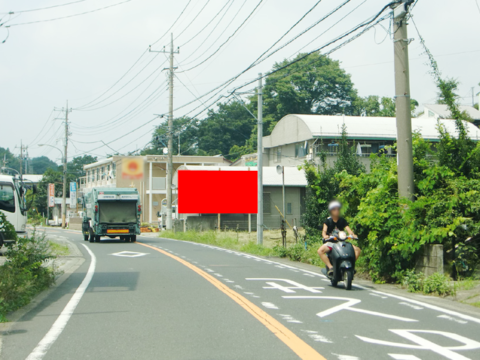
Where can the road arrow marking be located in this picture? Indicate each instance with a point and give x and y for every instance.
(129, 254)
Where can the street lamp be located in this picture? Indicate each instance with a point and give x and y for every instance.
(64, 193)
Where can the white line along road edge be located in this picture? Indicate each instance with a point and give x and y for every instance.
(52, 335)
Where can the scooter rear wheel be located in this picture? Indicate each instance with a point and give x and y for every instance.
(348, 278)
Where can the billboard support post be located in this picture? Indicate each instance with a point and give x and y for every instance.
(260, 162)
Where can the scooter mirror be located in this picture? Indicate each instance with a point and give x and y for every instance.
(342, 235)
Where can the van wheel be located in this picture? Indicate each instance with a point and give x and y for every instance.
(348, 278)
(91, 237)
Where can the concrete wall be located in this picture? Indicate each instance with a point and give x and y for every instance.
(432, 260)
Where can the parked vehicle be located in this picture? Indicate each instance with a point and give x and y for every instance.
(112, 212)
(13, 203)
(342, 258)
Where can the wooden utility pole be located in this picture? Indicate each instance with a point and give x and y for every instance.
(260, 162)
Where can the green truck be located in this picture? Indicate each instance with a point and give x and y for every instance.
(111, 212)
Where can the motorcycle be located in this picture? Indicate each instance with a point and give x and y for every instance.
(342, 258)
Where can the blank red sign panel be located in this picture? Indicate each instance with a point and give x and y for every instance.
(217, 192)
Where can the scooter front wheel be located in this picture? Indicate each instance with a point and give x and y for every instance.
(348, 278)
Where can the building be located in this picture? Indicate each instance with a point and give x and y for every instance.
(440, 111)
(295, 186)
(299, 138)
(152, 187)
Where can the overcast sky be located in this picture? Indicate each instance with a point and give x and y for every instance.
(42, 65)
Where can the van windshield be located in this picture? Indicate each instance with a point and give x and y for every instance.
(7, 197)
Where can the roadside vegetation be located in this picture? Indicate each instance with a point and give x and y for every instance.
(25, 272)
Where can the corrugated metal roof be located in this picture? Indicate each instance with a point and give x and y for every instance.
(365, 127)
(293, 176)
(444, 113)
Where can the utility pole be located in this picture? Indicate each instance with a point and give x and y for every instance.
(260, 162)
(170, 133)
(402, 95)
(473, 96)
(64, 192)
(21, 159)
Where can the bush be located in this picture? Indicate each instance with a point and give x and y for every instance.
(6, 228)
(24, 275)
(436, 283)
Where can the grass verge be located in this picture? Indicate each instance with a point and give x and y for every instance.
(243, 242)
(24, 274)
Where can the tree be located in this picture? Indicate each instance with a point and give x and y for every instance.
(40, 198)
(75, 167)
(374, 106)
(38, 165)
(230, 125)
(314, 85)
(11, 160)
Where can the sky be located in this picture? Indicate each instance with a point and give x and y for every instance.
(98, 60)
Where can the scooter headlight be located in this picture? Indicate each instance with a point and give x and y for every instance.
(342, 235)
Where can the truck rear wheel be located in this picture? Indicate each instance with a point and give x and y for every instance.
(85, 237)
(91, 237)
(133, 238)
(97, 238)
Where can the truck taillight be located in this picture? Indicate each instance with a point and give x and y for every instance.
(139, 208)
(96, 208)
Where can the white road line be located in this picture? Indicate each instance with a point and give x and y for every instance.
(52, 335)
(416, 307)
(452, 319)
(271, 262)
(269, 305)
(403, 357)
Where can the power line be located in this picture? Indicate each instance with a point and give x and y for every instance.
(166, 32)
(44, 8)
(228, 39)
(211, 32)
(478, 6)
(111, 87)
(195, 18)
(199, 32)
(69, 16)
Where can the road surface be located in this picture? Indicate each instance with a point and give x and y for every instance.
(165, 299)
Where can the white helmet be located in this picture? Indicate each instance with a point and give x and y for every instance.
(334, 205)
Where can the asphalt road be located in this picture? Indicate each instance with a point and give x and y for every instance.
(165, 299)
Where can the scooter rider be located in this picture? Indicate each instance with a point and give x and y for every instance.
(334, 224)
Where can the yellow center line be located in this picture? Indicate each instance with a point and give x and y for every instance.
(298, 346)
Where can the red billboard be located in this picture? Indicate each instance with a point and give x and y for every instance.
(217, 192)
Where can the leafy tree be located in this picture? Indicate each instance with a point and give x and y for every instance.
(230, 125)
(11, 160)
(374, 106)
(314, 85)
(323, 184)
(40, 198)
(75, 167)
(38, 165)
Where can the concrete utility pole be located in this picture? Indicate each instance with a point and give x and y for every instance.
(170, 134)
(402, 94)
(260, 162)
(64, 192)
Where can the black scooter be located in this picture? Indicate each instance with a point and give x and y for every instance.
(342, 258)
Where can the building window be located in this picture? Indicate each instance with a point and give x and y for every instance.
(102, 172)
(98, 174)
(301, 149)
(278, 154)
(289, 208)
(114, 169)
(267, 203)
(366, 149)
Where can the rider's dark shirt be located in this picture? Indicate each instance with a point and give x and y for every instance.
(340, 225)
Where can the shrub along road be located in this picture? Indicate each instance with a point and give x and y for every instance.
(166, 299)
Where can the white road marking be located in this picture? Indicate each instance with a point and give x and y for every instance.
(345, 357)
(238, 287)
(290, 319)
(347, 305)
(420, 343)
(309, 275)
(452, 319)
(217, 274)
(130, 254)
(52, 335)
(403, 357)
(248, 293)
(288, 289)
(416, 307)
(380, 296)
(323, 277)
(269, 305)
(315, 336)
